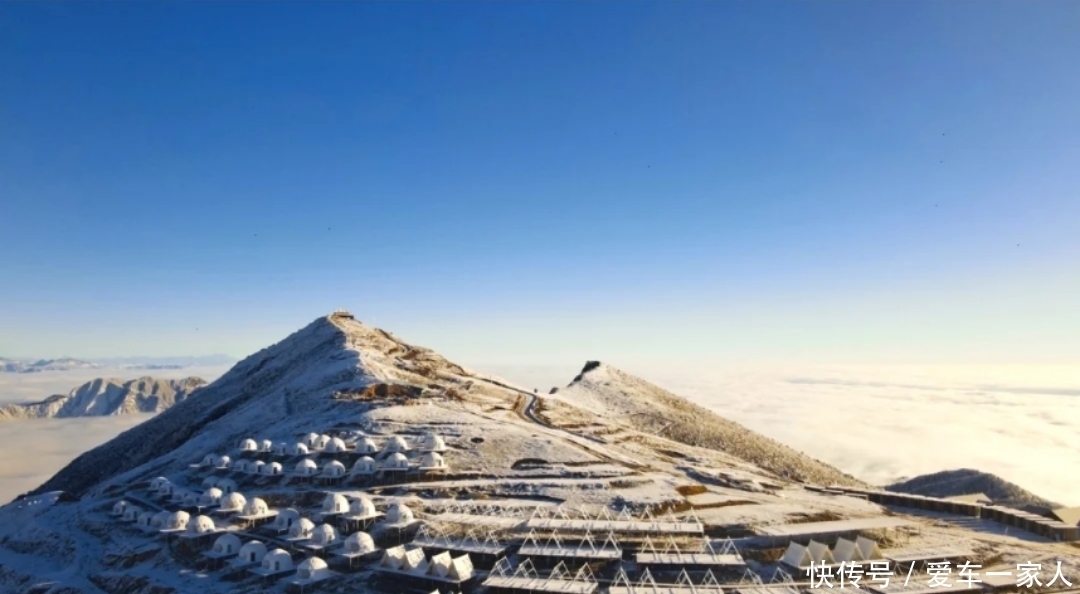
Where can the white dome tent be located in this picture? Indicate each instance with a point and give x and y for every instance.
(301, 529)
(362, 508)
(200, 526)
(311, 439)
(359, 543)
(176, 522)
(249, 445)
(299, 449)
(430, 442)
(311, 571)
(336, 445)
(399, 514)
(256, 509)
(224, 546)
(211, 497)
(223, 463)
(307, 468)
(252, 553)
(233, 502)
(119, 507)
(333, 470)
(192, 499)
(396, 444)
(397, 462)
(157, 483)
(364, 466)
(322, 441)
(281, 448)
(432, 462)
(241, 466)
(209, 482)
(276, 562)
(209, 460)
(266, 446)
(285, 520)
(323, 536)
(271, 469)
(334, 503)
(256, 467)
(367, 446)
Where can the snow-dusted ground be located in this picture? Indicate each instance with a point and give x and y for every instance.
(1018, 422)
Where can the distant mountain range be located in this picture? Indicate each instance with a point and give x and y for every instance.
(149, 363)
(106, 397)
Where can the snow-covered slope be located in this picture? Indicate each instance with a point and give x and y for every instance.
(618, 396)
(108, 396)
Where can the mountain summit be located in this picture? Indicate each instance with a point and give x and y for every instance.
(339, 368)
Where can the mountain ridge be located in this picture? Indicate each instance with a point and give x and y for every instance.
(106, 397)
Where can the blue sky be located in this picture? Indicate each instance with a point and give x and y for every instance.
(544, 182)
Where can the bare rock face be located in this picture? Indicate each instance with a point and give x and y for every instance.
(108, 396)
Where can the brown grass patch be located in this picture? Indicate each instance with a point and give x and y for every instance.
(688, 490)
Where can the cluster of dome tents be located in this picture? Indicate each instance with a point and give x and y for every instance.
(393, 457)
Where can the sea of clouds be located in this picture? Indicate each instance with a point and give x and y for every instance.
(33, 450)
(879, 423)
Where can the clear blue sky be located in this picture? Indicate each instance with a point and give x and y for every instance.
(544, 182)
